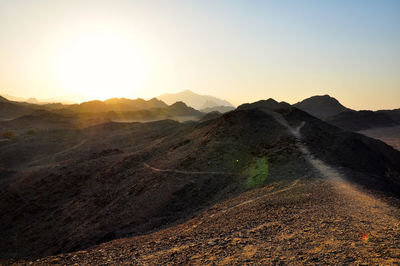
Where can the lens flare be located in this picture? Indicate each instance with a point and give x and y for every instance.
(257, 173)
(365, 237)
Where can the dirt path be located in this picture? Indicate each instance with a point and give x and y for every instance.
(186, 172)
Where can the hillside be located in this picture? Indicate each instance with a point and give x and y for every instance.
(314, 221)
(11, 110)
(127, 179)
(178, 111)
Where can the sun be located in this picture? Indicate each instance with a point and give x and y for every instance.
(101, 65)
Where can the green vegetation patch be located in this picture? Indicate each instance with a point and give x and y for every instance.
(257, 173)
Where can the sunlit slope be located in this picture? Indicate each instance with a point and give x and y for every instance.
(315, 221)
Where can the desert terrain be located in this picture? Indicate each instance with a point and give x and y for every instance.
(188, 132)
(266, 183)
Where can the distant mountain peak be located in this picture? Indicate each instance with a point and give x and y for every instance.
(193, 99)
(321, 106)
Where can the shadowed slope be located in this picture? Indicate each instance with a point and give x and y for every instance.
(100, 189)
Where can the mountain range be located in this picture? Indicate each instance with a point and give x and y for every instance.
(194, 100)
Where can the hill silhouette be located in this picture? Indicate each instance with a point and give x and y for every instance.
(321, 106)
(178, 111)
(269, 104)
(117, 105)
(25, 116)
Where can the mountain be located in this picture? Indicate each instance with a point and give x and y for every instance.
(240, 181)
(321, 106)
(194, 100)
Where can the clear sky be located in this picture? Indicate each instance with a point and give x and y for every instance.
(241, 51)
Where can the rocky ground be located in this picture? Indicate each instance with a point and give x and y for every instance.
(310, 221)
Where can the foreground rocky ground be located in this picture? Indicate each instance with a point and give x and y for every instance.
(312, 221)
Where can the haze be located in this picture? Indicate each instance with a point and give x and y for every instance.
(237, 50)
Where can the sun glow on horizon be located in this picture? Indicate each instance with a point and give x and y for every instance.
(74, 51)
(101, 65)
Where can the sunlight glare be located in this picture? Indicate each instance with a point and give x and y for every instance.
(101, 66)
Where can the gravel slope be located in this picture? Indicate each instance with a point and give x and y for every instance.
(313, 221)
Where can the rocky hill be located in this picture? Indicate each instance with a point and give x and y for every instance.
(83, 187)
(269, 104)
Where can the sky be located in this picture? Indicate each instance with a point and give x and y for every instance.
(241, 51)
